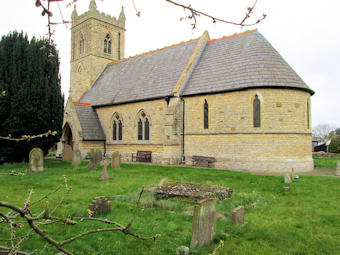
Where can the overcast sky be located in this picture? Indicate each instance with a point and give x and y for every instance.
(305, 33)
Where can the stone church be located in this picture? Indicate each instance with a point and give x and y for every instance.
(233, 98)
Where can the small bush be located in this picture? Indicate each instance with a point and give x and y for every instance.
(334, 146)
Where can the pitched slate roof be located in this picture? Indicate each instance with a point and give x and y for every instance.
(146, 76)
(241, 62)
(89, 122)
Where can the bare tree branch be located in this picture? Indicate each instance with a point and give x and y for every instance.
(35, 221)
(195, 13)
(28, 137)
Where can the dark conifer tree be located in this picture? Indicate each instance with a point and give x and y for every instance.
(32, 102)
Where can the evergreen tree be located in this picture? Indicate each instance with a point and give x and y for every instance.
(32, 102)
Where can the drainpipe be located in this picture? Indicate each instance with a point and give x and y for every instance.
(183, 116)
(104, 148)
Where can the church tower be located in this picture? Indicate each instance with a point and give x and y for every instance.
(96, 40)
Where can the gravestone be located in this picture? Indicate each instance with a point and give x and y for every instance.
(288, 179)
(105, 175)
(237, 216)
(95, 158)
(182, 250)
(67, 154)
(76, 157)
(287, 189)
(99, 155)
(36, 159)
(204, 221)
(100, 205)
(337, 171)
(115, 161)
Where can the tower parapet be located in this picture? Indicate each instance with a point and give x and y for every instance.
(94, 13)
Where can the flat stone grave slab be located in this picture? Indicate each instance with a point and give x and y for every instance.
(191, 190)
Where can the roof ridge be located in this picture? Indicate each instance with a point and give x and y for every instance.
(152, 51)
(233, 35)
(82, 104)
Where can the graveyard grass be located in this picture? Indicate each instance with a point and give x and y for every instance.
(305, 220)
(329, 163)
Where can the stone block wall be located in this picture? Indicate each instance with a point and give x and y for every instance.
(281, 143)
(129, 115)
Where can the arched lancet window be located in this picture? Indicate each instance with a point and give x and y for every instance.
(109, 47)
(107, 44)
(140, 130)
(120, 130)
(81, 44)
(206, 115)
(308, 114)
(114, 131)
(146, 130)
(117, 127)
(257, 112)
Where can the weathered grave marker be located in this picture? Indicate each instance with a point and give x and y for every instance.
(36, 160)
(182, 250)
(100, 205)
(287, 189)
(337, 171)
(204, 221)
(67, 154)
(288, 179)
(105, 175)
(94, 159)
(76, 157)
(99, 155)
(115, 161)
(237, 216)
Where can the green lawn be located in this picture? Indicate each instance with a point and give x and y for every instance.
(326, 162)
(303, 221)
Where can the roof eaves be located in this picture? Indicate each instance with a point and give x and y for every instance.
(247, 88)
(132, 101)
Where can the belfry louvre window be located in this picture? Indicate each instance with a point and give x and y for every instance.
(140, 130)
(257, 112)
(206, 115)
(81, 44)
(107, 44)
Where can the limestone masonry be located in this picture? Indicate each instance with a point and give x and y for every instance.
(233, 98)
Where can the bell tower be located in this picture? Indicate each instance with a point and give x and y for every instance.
(96, 40)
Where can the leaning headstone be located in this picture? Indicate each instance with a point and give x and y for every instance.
(182, 250)
(204, 222)
(99, 205)
(67, 153)
(288, 179)
(93, 160)
(105, 175)
(36, 159)
(337, 171)
(237, 216)
(76, 157)
(115, 161)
